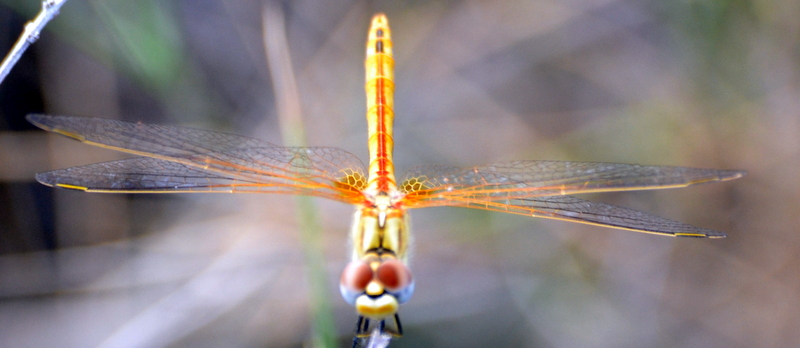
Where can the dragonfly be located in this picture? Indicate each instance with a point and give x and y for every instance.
(377, 280)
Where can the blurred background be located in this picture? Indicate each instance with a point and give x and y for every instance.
(689, 83)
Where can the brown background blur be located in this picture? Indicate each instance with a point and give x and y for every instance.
(690, 83)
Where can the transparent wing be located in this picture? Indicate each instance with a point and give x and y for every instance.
(574, 209)
(445, 185)
(153, 175)
(540, 189)
(199, 160)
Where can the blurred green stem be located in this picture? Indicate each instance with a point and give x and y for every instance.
(292, 129)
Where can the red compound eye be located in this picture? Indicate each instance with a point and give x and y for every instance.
(356, 276)
(394, 275)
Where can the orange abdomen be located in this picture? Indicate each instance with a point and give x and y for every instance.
(380, 106)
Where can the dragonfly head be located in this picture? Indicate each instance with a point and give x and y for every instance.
(376, 285)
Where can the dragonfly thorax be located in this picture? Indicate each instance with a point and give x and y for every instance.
(381, 225)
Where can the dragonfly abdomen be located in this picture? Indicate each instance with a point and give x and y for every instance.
(379, 66)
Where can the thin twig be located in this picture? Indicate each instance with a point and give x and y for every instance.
(49, 11)
(378, 339)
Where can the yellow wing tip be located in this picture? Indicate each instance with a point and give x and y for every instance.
(72, 187)
(69, 134)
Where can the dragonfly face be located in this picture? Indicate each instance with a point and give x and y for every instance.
(377, 280)
(376, 285)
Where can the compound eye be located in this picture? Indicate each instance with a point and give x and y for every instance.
(355, 277)
(396, 279)
(394, 275)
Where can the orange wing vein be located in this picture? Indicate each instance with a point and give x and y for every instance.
(434, 185)
(184, 159)
(540, 189)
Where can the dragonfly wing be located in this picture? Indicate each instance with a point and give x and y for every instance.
(574, 209)
(306, 168)
(144, 139)
(336, 173)
(153, 175)
(438, 185)
(141, 174)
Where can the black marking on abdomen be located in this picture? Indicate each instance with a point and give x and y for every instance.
(379, 46)
(379, 33)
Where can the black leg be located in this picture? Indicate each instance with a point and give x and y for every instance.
(399, 327)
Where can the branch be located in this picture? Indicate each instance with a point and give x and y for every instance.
(49, 11)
